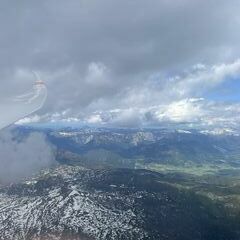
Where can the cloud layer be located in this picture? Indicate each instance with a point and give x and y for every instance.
(123, 63)
(177, 100)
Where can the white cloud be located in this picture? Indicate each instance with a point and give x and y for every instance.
(156, 101)
(22, 158)
(186, 110)
(204, 78)
(94, 119)
(32, 119)
(194, 112)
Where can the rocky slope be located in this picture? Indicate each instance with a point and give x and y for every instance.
(75, 203)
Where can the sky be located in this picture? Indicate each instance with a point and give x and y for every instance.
(129, 63)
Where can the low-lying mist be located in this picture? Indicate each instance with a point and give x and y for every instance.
(23, 157)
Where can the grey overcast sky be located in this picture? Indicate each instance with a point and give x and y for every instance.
(125, 63)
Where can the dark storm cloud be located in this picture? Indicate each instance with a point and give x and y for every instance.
(91, 52)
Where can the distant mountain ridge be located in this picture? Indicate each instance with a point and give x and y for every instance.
(148, 146)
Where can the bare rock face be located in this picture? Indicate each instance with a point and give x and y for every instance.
(75, 203)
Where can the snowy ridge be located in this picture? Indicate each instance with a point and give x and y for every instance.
(62, 204)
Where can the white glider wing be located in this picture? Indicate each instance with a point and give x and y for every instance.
(16, 108)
